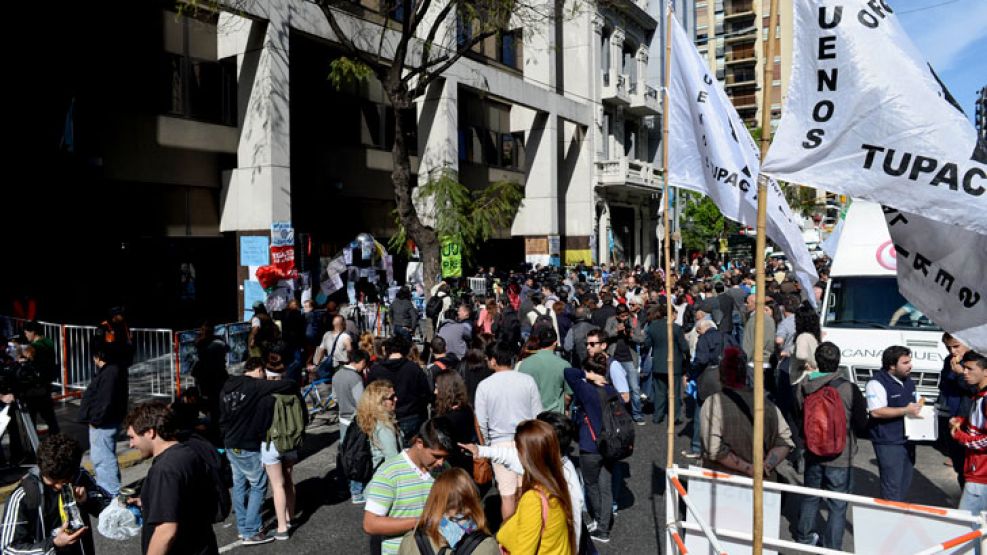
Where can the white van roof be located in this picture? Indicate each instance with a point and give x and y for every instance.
(864, 247)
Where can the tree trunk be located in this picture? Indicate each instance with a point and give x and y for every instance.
(424, 236)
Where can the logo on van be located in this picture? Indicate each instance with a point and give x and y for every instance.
(886, 256)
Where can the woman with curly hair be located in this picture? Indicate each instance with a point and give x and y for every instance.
(451, 401)
(543, 521)
(453, 517)
(375, 416)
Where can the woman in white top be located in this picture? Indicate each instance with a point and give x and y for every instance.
(807, 338)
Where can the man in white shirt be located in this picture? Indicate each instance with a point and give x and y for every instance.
(336, 345)
(503, 400)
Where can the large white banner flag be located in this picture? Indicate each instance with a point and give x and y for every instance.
(866, 116)
(711, 152)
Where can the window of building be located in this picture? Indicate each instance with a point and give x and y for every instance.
(485, 136)
(508, 48)
(196, 84)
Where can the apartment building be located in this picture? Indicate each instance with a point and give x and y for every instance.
(733, 36)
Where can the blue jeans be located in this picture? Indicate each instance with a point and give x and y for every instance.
(895, 463)
(103, 452)
(974, 498)
(249, 489)
(409, 427)
(828, 478)
(356, 488)
(697, 444)
(634, 383)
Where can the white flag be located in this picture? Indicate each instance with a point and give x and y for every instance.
(711, 152)
(866, 116)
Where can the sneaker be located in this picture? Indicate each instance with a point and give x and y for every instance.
(258, 539)
(358, 499)
(691, 454)
(592, 526)
(600, 536)
(812, 539)
(640, 422)
(280, 536)
(644, 396)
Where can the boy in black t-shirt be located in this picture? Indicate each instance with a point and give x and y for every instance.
(175, 519)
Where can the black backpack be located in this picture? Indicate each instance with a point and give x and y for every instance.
(616, 438)
(433, 308)
(213, 463)
(356, 461)
(467, 544)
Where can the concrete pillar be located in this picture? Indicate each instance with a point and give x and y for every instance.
(438, 129)
(539, 212)
(579, 198)
(616, 52)
(258, 191)
(642, 68)
(603, 243)
(639, 240)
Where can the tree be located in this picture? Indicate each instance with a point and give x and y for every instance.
(406, 56)
(702, 223)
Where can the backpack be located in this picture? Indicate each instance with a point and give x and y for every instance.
(287, 430)
(542, 320)
(824, 421)
(433, 308)
(616, 438)
(214, 465)
(355, 459)
(466, 546)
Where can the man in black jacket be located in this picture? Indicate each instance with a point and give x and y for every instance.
(33, 521)
(410, 385)
(243, 428)
(104, 406)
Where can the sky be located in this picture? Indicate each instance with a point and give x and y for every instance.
(952, 34)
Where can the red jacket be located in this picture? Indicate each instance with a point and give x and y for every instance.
(972, 434)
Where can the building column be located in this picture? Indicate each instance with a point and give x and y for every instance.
(603, 243)
(639, 239)
(539, 214)
(616, 54)
(257, 192)
(438, 129)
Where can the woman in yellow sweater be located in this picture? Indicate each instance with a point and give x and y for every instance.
(542, 524)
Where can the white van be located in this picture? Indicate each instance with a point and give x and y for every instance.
(863, 312)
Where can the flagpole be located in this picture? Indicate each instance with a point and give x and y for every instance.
(670, 454)
(762, 211)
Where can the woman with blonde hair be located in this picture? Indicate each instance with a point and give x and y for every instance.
(375, 416)
(453, 518)
(543, 521)
(367, 344)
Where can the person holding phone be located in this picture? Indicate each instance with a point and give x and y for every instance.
(36, 519)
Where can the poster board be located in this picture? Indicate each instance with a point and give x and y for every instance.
(724, 505)
(899, 532)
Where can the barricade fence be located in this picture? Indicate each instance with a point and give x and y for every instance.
(717, 519)
(163, 358)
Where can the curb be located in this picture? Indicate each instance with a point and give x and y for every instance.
(126, 459)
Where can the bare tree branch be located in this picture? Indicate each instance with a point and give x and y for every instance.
(377, 67)
(425, 79)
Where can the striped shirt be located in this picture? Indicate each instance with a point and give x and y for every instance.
(398, 489)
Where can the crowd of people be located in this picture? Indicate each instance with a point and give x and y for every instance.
(533, 388)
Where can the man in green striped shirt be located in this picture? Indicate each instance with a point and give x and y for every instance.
(397, 493)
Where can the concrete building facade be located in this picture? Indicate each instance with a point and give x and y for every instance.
(213, 125)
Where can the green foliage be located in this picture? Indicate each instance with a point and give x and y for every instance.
(465, 216)
(344, 71)
(702, 222)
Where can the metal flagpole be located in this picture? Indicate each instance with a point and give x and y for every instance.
(670, 458)
(762, 210)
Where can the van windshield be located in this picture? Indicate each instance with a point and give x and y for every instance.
(872, 302)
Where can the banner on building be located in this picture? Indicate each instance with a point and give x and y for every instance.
(867, 116)
(452, 259)
(711, 152)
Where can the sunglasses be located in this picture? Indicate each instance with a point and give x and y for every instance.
(592, 343)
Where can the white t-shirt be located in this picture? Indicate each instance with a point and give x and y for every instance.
(877, 396)
(503, 400)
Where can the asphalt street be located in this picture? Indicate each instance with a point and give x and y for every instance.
(328, 523)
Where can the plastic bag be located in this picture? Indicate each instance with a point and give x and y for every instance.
(117, 522)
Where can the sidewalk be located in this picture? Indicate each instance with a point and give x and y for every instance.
(66, 413)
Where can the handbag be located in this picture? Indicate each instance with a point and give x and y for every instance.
(482, 470)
